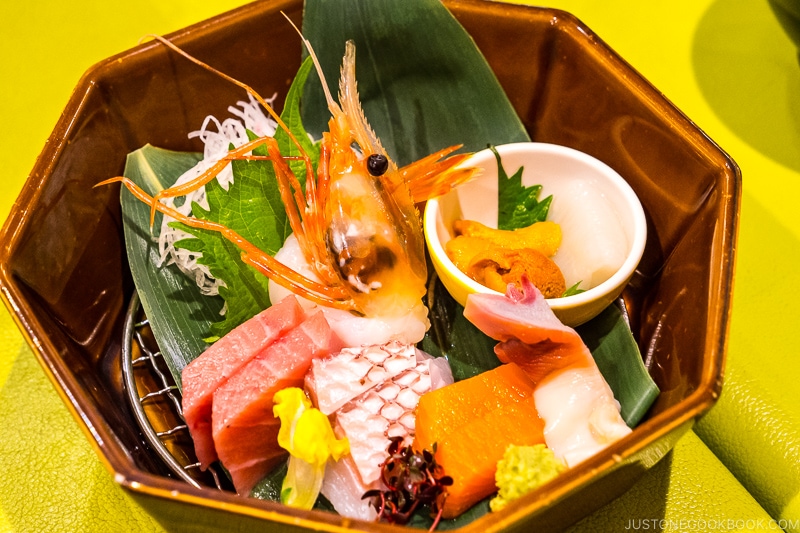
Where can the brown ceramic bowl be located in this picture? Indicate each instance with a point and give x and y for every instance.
(65, 278)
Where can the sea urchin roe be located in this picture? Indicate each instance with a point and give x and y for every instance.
(544, 237)
(495, 258)
(496, 267)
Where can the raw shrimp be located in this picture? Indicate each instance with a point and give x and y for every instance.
(356, 223)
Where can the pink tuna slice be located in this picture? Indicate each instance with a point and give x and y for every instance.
(223, 359)
(244, 428)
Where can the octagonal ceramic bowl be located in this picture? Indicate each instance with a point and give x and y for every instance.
(568, 87)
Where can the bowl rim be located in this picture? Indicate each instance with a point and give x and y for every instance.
(619, 278)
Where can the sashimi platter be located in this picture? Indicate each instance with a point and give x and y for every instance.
(321, 362)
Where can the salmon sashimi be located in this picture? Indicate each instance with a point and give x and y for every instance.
(572, 397)
(204, 375)
(472, 422)
(244, 428)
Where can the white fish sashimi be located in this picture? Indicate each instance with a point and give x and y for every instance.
(352, 330)
(386, 411)
(594, 245)
(336, 380)
(373, 417)
(342, 486)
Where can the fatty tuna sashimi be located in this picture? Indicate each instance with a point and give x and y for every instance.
(580, 413)
(244, 427)
(472, 422)
(204, 375)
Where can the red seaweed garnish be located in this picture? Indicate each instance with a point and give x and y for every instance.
(412, 479)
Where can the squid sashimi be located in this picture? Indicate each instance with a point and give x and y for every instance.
(244, 428)
(597, 246)
(578, 407)
(223, 359)
(472, 422)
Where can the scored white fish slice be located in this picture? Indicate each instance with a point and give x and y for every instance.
(336, 380)
(388, 410)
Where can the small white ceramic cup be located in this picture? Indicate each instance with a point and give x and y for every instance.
(588, 196)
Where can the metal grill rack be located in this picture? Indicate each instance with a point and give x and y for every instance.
(156, 402)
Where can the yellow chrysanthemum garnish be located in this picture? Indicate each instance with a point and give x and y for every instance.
(307, 435)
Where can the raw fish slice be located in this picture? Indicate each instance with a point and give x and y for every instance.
(244, 427)
(580, 413)
(334, 381)
(369, 420)
(204, 375)
(343, 487)
(386, 411)
(472, 423)
(521, 315)
(597, 246)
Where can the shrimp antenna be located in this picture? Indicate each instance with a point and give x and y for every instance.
(307, 43)
(172, 46)
(169, 44)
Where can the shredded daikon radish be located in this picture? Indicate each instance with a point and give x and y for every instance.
(217, 137)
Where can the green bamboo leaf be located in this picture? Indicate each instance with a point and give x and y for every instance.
(424, 84)
(617, 356)
(468, 350)
(179, 315)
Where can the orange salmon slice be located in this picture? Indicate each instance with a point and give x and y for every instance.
(472, 423)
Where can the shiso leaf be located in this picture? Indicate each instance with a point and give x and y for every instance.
(424, 84)
(253, 208)
(179, 314)
(518, 206)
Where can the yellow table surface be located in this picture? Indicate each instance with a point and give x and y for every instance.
(727, 65)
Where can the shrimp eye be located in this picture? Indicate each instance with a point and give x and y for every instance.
(377, 164)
